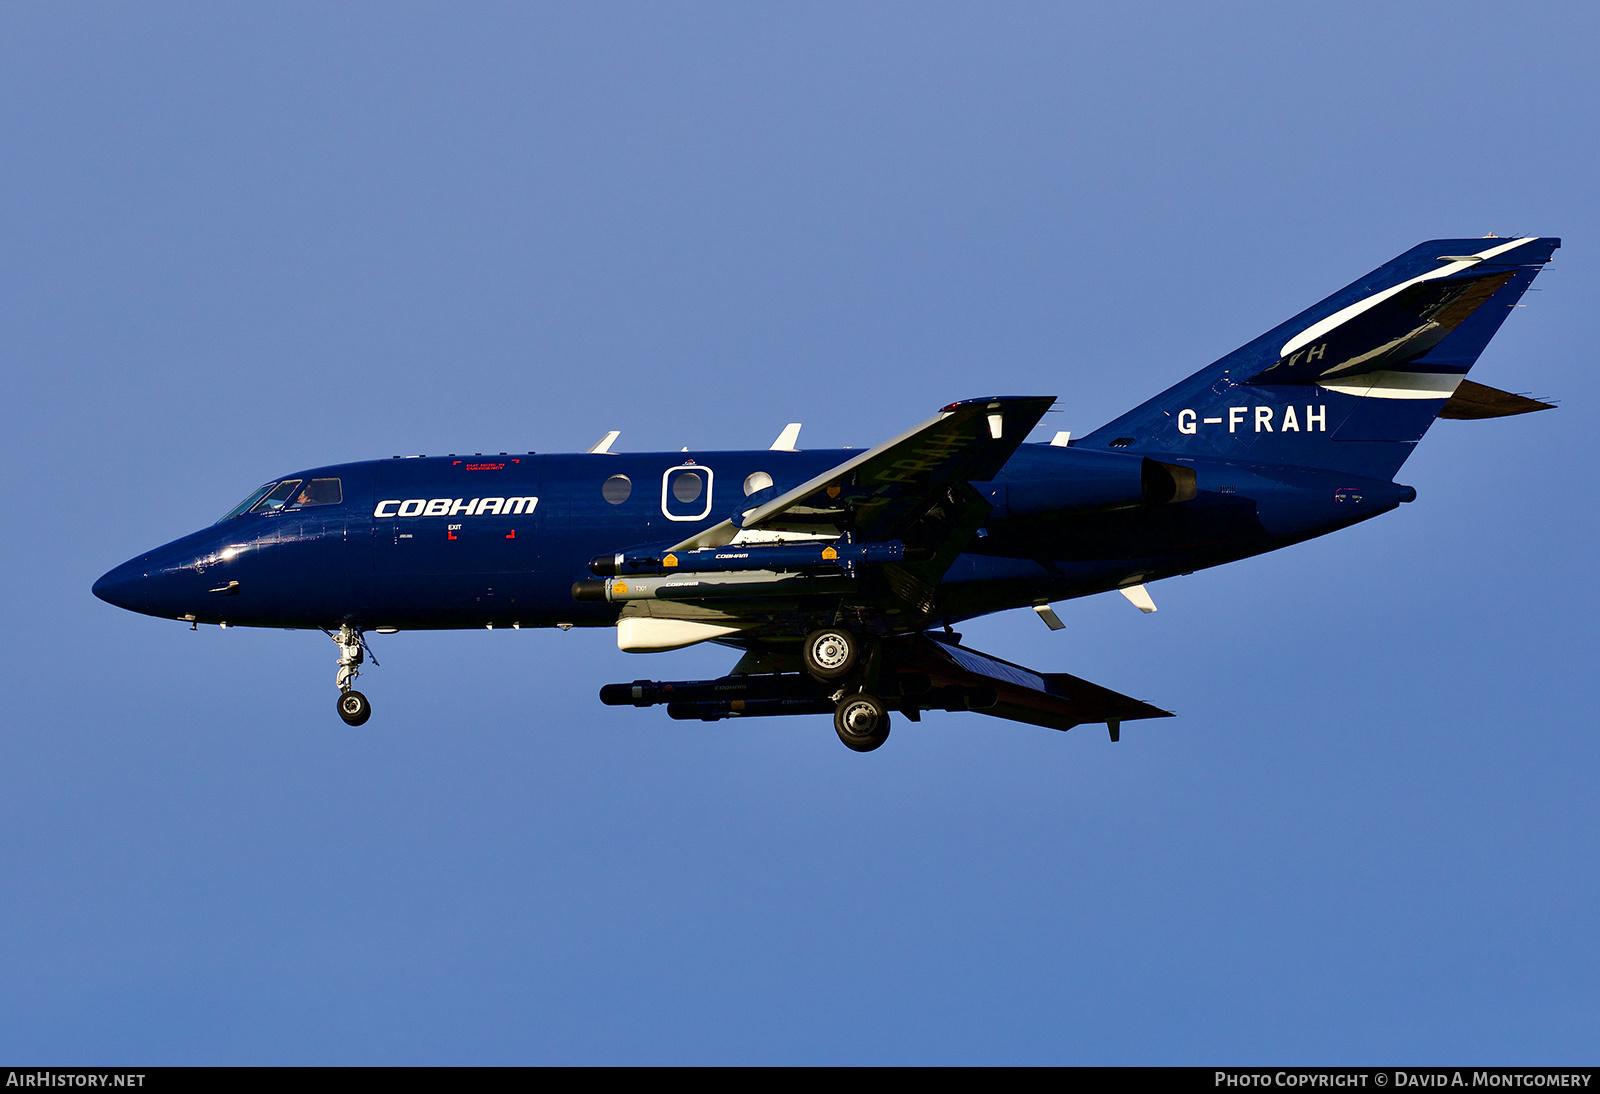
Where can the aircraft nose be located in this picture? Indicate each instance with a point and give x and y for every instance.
(121, 585)
(145, 585)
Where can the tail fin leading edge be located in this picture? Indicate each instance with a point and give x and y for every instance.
(1353, 383)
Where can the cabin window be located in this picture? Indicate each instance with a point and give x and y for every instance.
(244, 506)
(616, 489)
(686, 486)
(277, 497)
(686, 492)
(318, 492)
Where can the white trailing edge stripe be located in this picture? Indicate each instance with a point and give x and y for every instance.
(1344, 315)
(1397, 385)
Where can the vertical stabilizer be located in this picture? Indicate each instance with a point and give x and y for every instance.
(1353, 383)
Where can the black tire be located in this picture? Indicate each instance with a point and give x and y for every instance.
(861, 721)
(354, 708)
(831, 653)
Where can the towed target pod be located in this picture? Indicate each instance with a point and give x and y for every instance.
(692, 586)
(776, 557)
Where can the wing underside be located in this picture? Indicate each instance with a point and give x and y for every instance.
(918, 672)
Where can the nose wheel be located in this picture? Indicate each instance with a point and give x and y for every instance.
(353, 707)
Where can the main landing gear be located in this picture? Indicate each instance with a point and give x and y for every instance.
(843, 677)
(832, 655)
(861, 721)
(353, 706)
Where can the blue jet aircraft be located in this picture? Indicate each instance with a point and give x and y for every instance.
(839, 574)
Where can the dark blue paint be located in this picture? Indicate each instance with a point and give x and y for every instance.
(1237, 379)
(1065, 521)
(338, 564)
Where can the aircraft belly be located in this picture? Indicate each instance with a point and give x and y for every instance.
(1021, 561)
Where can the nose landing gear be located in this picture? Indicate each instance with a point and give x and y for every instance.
(353, 706)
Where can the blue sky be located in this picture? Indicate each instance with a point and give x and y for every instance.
(236, 242)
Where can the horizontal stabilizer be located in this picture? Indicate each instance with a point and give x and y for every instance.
(1055, 700)
(1472, 401)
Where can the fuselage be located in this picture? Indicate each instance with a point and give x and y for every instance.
(475, 541)
(839, 574)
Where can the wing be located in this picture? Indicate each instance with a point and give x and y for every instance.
(895, 518)
(1055, 700)
(886, 490)
(926, 672)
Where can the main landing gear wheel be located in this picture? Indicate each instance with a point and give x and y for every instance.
(830, 653)
(354, 708)
(861, 721)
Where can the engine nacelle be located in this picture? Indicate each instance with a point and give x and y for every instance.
(1092, 480)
